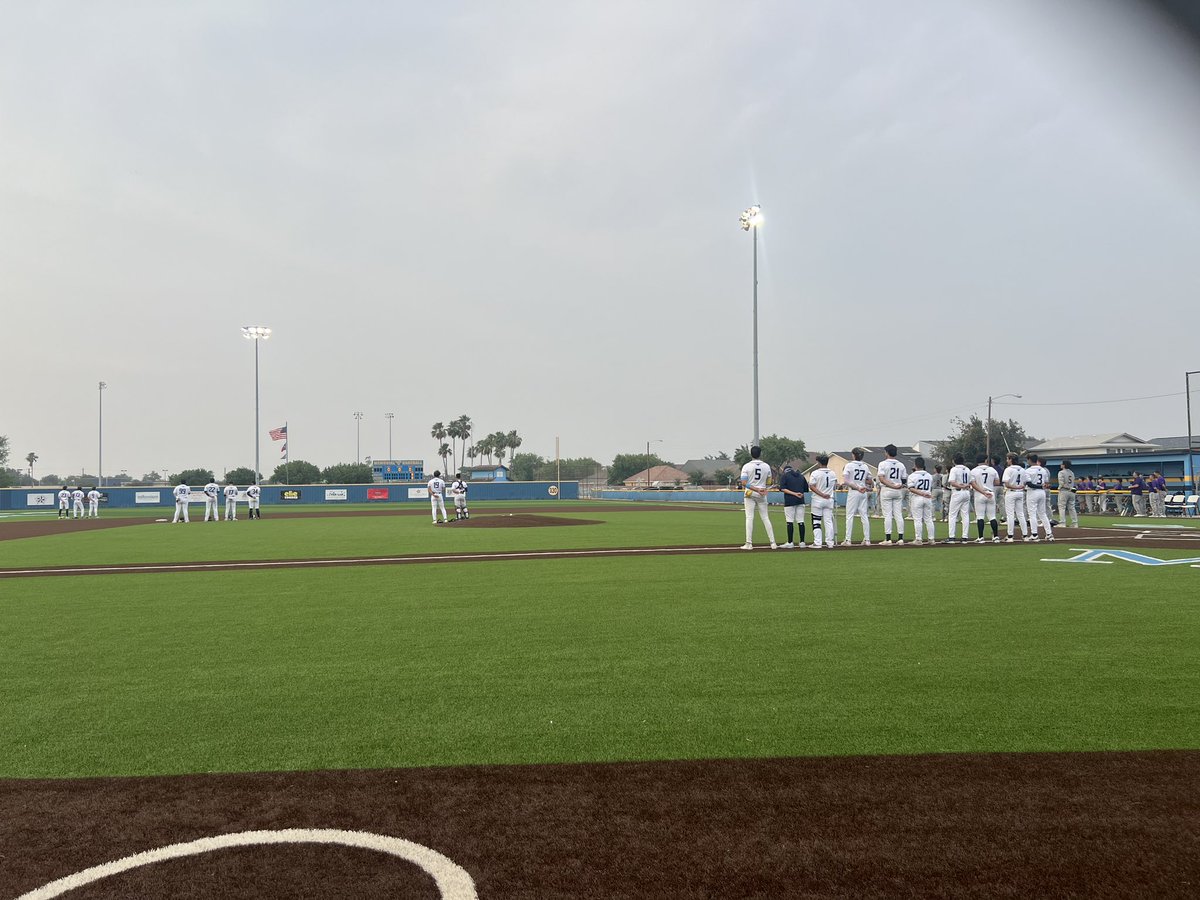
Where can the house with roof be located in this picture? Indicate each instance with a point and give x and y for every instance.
(710, 469)
(1120, 454)
(657, 477)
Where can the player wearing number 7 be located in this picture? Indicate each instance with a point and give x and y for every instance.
(756, 476)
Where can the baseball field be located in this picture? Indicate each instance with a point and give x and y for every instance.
(580, 699)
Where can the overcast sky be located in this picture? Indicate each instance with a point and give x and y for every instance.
(528, 212)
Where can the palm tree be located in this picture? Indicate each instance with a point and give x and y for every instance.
(512, 440)
(31, 459)
(453, 431)
(438, 432)
(464, 431)
(443, 452)
(472, 452)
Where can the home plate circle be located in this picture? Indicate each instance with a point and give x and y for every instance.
(453, 882)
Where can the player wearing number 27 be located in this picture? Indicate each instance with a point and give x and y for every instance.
(859, 485)
(756, 476)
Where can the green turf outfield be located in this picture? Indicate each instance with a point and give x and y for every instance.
(764, 654)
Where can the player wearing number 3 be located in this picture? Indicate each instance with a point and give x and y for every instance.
(756, 476)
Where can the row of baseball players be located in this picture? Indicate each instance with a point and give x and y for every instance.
(71, 501)
(437, 497)
(1025, 499)
(212, 495)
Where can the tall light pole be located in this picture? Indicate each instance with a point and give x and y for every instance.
(358, 417)
(751, 220)
(389, 417)
(656, 441)
(1187, 381)
(256, 333)
(100, 442)
(988, 436)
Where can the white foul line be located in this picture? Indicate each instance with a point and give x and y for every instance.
(451, 879)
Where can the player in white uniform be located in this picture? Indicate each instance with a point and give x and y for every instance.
(961, 489)
(231, 493)
(458, 490)
(77, 503)
(856, 475)
(920, 501)
(1037, 479)
(182, 492)
(254, 501)
(93, 497)
(1014, 498)
(822, 484)
(892, 475)
(985, 479)
(212, 495)
(755, 478)
(437, 500)
(64, 503)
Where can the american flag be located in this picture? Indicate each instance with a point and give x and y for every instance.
(279, 434)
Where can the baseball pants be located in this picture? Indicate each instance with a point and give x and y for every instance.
(759, 503)
(438, 502)
(858, 505)
(985, 507)
(77, 509)
(892, 502)
(210, 509)
(1067, 508)
(94, 509)
(231, 509)
(181, 508)
(824, 527)
(922, 516)
(960, 510)
(1039, 513)
(1014, 512)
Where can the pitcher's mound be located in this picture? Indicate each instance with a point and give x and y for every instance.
(520, 520)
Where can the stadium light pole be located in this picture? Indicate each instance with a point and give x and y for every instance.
(389, 417)
(100, 441)
(987, 441)
(358, 417)
(751, 221)
(648, 443)
(256, 333)
(1187, 383)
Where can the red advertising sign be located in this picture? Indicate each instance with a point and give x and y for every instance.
(377, 493)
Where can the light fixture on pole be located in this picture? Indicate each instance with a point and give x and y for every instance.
(656, 441)
(752, 220)
(389, 417)
(256, 333)
(358, 417)
(987, 440)
(1191, 469)
(100, 442)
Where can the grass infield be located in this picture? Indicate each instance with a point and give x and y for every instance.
(733, 655)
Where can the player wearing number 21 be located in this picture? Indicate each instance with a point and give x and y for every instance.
(756, 478)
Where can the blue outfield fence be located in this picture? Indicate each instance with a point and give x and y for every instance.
(26, 499)
(775, 498)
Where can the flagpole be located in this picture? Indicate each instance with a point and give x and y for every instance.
(287, 453)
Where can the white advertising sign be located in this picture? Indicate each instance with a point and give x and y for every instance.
(154, 497)
(418, 493)
(335, 493)
(39, 499)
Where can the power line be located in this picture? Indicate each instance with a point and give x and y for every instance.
(1093, 402)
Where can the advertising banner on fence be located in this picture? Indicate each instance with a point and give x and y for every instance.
(290, 494)
(154, 497)
(39, 499)
(377, 493)
(418, 493)
(335, 493)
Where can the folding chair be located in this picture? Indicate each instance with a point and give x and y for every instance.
(1174, 504)
(1190, 504)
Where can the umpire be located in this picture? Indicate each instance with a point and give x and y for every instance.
(794, 486)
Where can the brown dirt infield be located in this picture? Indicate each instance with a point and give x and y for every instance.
(520, 520)
(994, 825)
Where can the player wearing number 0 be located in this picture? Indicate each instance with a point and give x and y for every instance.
(755, 478)
(1014, 498)
(920, 502)
(1037, 477)
(859, 484)
(822, 484)
(962, 486)
(892, 475)
(985, 479)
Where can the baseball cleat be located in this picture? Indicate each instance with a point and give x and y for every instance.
(847, 544)
(788, 546)
(774, 546)
(996, 539)
(1009, 539)
(917, 543)
(747, 546)
(980, 541)
(887, 543)
(900, 543)
(865, 544)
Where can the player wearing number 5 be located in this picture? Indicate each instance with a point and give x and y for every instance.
(859, 484)
(920, 501)
(822, 483)
(756, 476)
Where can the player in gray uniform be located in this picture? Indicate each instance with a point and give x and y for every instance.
(458, 490)
(859, 486)
(1067, 506)
(939, 482)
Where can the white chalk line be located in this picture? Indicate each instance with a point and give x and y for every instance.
(453, 881)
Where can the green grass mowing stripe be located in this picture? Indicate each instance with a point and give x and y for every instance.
(573, 660)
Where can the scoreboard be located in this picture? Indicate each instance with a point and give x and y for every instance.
(398, 469)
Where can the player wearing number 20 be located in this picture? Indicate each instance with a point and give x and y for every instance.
(920, 501)
(756, 476)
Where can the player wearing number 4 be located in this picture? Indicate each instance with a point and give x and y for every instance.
(1014, 498)
(860, 485)
(756, 476)
(822, 483)
(920, 501)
